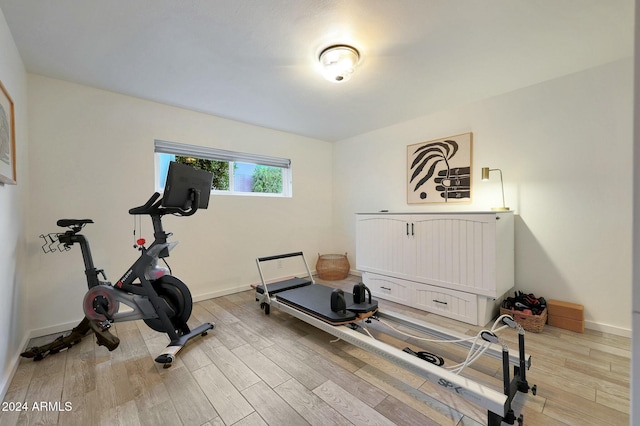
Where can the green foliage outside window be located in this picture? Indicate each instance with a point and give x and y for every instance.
(220, 170)
(267, 179)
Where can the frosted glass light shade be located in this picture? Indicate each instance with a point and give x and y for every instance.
(339, 62)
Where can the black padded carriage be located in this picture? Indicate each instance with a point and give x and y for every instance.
(313, 299)
(316, 300)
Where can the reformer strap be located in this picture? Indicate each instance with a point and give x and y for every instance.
(426, 356)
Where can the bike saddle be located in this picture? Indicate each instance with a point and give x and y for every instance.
(66, 223)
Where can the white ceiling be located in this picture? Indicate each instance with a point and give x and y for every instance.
(256, 60)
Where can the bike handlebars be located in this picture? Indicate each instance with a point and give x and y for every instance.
(145, 208)
(154, 207)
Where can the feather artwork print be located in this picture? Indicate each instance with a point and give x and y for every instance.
(439, 171)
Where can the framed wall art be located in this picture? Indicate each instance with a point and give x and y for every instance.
(7, 138)
(439, 171)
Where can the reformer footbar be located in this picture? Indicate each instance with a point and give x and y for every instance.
(301, 302)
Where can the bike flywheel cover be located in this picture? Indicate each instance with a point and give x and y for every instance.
(178, 297)
(103, 295)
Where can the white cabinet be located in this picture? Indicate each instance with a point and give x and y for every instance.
(383, 244)
(456, 264)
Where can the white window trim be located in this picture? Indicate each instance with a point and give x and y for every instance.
(208, 153)
(180, 149)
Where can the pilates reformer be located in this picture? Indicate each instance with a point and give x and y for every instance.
(339, 314)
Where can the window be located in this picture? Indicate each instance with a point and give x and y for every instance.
(233, 172)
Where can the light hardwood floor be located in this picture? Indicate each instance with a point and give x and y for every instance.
(254, 369)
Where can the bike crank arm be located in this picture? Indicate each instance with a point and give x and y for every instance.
(102, 303)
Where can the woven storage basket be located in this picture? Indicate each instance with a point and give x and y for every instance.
(332, 266)
(532, 323)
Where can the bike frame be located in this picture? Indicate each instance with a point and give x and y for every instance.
(141, 297)
(161, 300)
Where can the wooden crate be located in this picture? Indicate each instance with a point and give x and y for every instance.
(566, 315)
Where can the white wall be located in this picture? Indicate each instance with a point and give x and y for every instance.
(92, 157)
(12, 211)
(565, 150)
(635, 317)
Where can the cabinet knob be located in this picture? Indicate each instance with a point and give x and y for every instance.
(440, 302)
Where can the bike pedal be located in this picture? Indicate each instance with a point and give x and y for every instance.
(105, 325)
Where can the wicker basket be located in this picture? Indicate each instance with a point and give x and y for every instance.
(532, 323)
(332, 266)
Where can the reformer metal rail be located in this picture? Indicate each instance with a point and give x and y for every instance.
(493, 401)
(497, 404)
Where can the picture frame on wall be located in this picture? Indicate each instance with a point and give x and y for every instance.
(7, 138)
(439, 171)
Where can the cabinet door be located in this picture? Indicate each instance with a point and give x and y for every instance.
(456, 251)
(385, 244)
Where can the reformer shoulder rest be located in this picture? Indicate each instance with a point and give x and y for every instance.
(285, 285)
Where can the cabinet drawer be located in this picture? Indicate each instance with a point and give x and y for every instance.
(388, 288)
(449, 303)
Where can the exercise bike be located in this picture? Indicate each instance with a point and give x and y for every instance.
(161, 300)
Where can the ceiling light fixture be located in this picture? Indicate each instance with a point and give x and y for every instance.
(339, 62)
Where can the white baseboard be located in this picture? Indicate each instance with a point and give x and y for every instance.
(13, 367)
(605, 328)
(219, 293)
(45, 331)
